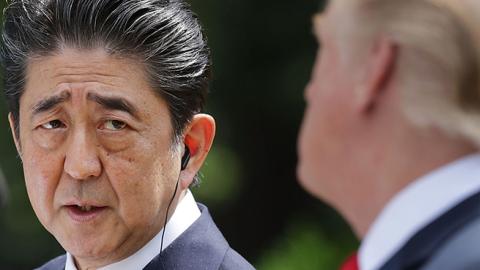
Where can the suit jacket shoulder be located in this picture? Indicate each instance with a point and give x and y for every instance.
(57, 263)
(455, 233)
(233, 261)
(459, 252)
(201, 247)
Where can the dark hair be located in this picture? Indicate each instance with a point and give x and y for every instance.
(163, 34)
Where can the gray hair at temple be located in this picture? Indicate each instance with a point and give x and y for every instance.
(164, 35)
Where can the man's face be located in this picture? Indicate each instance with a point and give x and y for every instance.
(322, 142)
(96, 146)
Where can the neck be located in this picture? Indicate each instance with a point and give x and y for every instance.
(405, 158)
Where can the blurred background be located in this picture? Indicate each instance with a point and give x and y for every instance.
(262, 55)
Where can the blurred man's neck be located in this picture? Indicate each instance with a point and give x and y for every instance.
(406, 158)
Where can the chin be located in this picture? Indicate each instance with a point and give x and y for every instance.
(313, 184)
(87, 246)
(91, 252)
(307, 180)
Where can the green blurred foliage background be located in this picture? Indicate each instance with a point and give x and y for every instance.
(262, 55)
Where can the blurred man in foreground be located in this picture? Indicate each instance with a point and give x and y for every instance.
(391, 133)
(105, 99)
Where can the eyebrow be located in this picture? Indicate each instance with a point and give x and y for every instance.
(50, 102)
(111, 103)
(114, 103)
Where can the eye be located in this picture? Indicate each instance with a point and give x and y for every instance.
(115, 125)
(54, 124)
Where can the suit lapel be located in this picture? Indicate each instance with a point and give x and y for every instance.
(201, 246)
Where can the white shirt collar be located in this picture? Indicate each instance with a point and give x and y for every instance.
(185, 215)
(416, 206)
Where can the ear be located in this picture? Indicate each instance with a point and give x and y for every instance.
(198, 138)
(16, 137)
(378, 74)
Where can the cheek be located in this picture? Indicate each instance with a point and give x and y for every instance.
(42, 173)
(310, 151)
(142, 184)
(48, 140)
(321, 141)
(317, 128)
(315, 156)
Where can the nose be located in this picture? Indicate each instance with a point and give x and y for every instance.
(81, 160)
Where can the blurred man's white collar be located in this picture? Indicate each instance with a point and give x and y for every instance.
(185, 214)
(416, 206)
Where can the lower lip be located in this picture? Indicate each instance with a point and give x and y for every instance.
(84, 216)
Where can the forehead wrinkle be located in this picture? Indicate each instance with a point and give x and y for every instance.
(74, 76)
(83, 69)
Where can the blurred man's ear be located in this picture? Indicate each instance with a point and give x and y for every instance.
(378, 74)
(16, 137)
(198, 138)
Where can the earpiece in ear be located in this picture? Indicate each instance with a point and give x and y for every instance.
(185, 158)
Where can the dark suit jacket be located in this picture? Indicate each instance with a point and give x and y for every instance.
(451, 242)
(201, 247)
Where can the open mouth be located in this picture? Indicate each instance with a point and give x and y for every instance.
(83, 213)
(85, 208)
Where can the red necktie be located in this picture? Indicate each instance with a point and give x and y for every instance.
(351, 263)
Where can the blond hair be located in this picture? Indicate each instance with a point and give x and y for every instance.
(439, 57)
